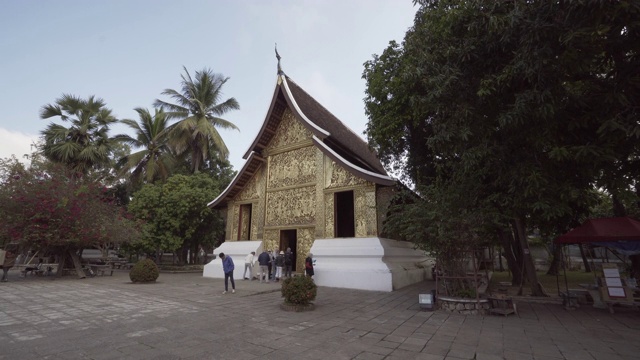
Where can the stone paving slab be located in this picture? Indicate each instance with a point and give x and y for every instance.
(185, 316)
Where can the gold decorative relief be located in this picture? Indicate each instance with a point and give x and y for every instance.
(329, 213)
(234, 222)
(250, 190)
(245, 218)
(292, 168)
(291, 206)
(290, 131)
(365, 211)
(305, 242)
(337, 176)
(271, 239)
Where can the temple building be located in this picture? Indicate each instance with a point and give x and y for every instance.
(311, 184)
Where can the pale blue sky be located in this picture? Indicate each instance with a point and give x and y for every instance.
(127, 52)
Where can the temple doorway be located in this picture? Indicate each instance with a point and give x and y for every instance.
(289, 239)
(344, 214)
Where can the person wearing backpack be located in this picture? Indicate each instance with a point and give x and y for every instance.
(288, 263)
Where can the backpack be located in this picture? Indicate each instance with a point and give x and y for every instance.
(287, 259)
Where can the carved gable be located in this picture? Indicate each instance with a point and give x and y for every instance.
(290, 131)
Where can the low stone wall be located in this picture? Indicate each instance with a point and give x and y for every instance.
(463, 306)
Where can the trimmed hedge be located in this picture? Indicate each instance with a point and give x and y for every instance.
(144, 271)
(299, 290)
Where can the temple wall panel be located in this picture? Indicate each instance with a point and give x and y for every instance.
(336, 176)
(306, 236)
(250, 192)
(290, 131)
(234, 224)
(271, 239)
(365, 211)
(329, 213)
(295, 167)
(291, 207)
(245, 227)
(321, 205)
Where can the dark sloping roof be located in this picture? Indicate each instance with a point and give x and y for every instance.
(342, 139)
(331, 136)
(603, 230)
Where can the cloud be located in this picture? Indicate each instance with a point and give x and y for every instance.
(16, 143)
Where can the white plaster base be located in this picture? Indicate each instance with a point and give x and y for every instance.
(369, 263)
(238, 250)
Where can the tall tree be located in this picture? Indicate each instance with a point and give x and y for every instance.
(85, 144)
(47, 207)
(154, 159)
(175, 213)
(199, 109)
(519, 108)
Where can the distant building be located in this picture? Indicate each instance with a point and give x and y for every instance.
(311, 184)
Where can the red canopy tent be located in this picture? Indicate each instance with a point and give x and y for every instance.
(622, 233)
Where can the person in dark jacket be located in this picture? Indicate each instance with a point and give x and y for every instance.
(288, 263)
(263, 262)
(308, 265)
(227, 268)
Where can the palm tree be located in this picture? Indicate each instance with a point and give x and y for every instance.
(198, 109)
(154, 161)
(84, 145)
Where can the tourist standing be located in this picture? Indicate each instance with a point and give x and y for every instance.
(228, 267)
(308, 265)
(273, 255)
(263, 262)
(279, 265)
(288, 263)
(248, 264)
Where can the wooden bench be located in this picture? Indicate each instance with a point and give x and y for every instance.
(96, 269)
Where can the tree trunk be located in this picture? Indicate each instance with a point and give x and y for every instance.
(62, 257)
(76, 264)
(527, 260)
(512, 262)
(587, 266)
(554, 267)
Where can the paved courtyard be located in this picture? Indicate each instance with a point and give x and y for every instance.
(185, 316)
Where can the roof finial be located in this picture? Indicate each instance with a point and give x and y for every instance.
(280, 72)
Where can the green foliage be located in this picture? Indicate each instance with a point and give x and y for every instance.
(299, 290)
(509, 113)
(154, 161)
(47, 206)
(198, 108)
(144, 271)
(175, 213)
(85, 145)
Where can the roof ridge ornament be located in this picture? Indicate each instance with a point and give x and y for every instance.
(280, 72)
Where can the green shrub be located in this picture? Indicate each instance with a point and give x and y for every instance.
(299, 290)
(144, 271)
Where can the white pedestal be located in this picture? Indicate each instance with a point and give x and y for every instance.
(238, 250)
(369, 263)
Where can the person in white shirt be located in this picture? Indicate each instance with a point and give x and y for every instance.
(248, 264)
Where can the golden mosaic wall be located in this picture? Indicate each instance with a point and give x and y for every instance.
(295, 167)
(290, 131)
(329, 213)
(245, 215)
(291, 207)
(271, 239)
(336, 176)
(253, 193)
(306, 236)
(365, 211)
